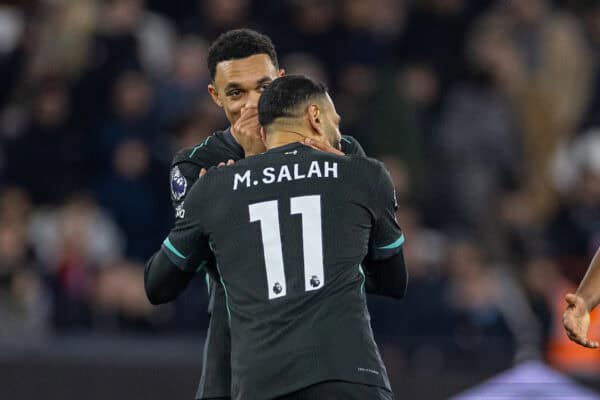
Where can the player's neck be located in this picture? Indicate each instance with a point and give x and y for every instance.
(282, 137)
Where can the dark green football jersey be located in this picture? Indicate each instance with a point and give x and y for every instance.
(289, 230)
(185, 168)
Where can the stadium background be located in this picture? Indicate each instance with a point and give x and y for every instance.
(486, 112)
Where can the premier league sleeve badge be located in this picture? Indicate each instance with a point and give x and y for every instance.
(178, 184)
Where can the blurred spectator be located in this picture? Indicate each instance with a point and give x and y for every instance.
(79, 224)
(305, 64)
(22, 297)
(388, 19)
(356, 85)
(119, 299)
(12, 49)
(360, 45)
(62, 38)
(132, 115)
(396, 126)
(575, 228)
(15, 205)
(473, 299)
(187, 82)
(114, 49)
(73, 242)
(138, 206)
(51, 142)
(214, 17)
(435, 35)
(590, 13)
(311, 24)
(555, 63)
(481, 156)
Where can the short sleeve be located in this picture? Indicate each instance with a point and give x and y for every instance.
(187, 244)
(386, 236)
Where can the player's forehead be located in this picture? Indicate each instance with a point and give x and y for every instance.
(245, 72)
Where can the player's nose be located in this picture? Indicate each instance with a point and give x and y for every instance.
(252, 99)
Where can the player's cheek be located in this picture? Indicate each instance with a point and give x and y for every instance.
(234, 110)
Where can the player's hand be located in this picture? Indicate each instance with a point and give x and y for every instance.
(576, 321)
(221, 164)
(247, 132)
(322, 146)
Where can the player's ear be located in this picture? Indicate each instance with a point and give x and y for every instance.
(314, 118)
(263, 136)
(281, 73)
(214, 95)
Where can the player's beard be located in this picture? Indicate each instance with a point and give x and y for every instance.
(335, 140)
(333, 137)
(337, 144)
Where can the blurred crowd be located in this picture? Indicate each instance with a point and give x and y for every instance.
(486, 113)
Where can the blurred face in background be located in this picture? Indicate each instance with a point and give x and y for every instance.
(52, 105)
(133, 96)
(527, 11)
(226, 13)
(131, 159)
(123, 15)
(239, 83)
(13, 247)
(315, 16)
(190, 61)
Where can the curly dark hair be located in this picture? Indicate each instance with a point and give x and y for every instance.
(239, 43)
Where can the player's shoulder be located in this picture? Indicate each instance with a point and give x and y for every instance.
(350, 145)
(364, 163)
(349, 140)
(211, 150)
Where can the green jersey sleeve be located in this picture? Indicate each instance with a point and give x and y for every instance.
(386, 236)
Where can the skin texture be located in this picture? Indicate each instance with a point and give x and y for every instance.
(576, 318)
(236, 88)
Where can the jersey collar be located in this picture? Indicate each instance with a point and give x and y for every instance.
(287, 147)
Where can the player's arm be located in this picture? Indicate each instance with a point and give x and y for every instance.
(183, 253)
(385, 269)
(576, 319)
(162, 280)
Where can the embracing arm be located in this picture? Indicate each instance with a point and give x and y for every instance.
(183, 253)
(387, 277)
(163, 280)
(385, 270)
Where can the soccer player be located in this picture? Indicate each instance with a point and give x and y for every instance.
(576, 318)
(293, 231)
(242, 63)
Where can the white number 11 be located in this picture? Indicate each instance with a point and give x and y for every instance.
(312, 241)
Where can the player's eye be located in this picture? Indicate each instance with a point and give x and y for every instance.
(264, 86)
(234, 93)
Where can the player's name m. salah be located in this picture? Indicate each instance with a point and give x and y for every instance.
(286, 173)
